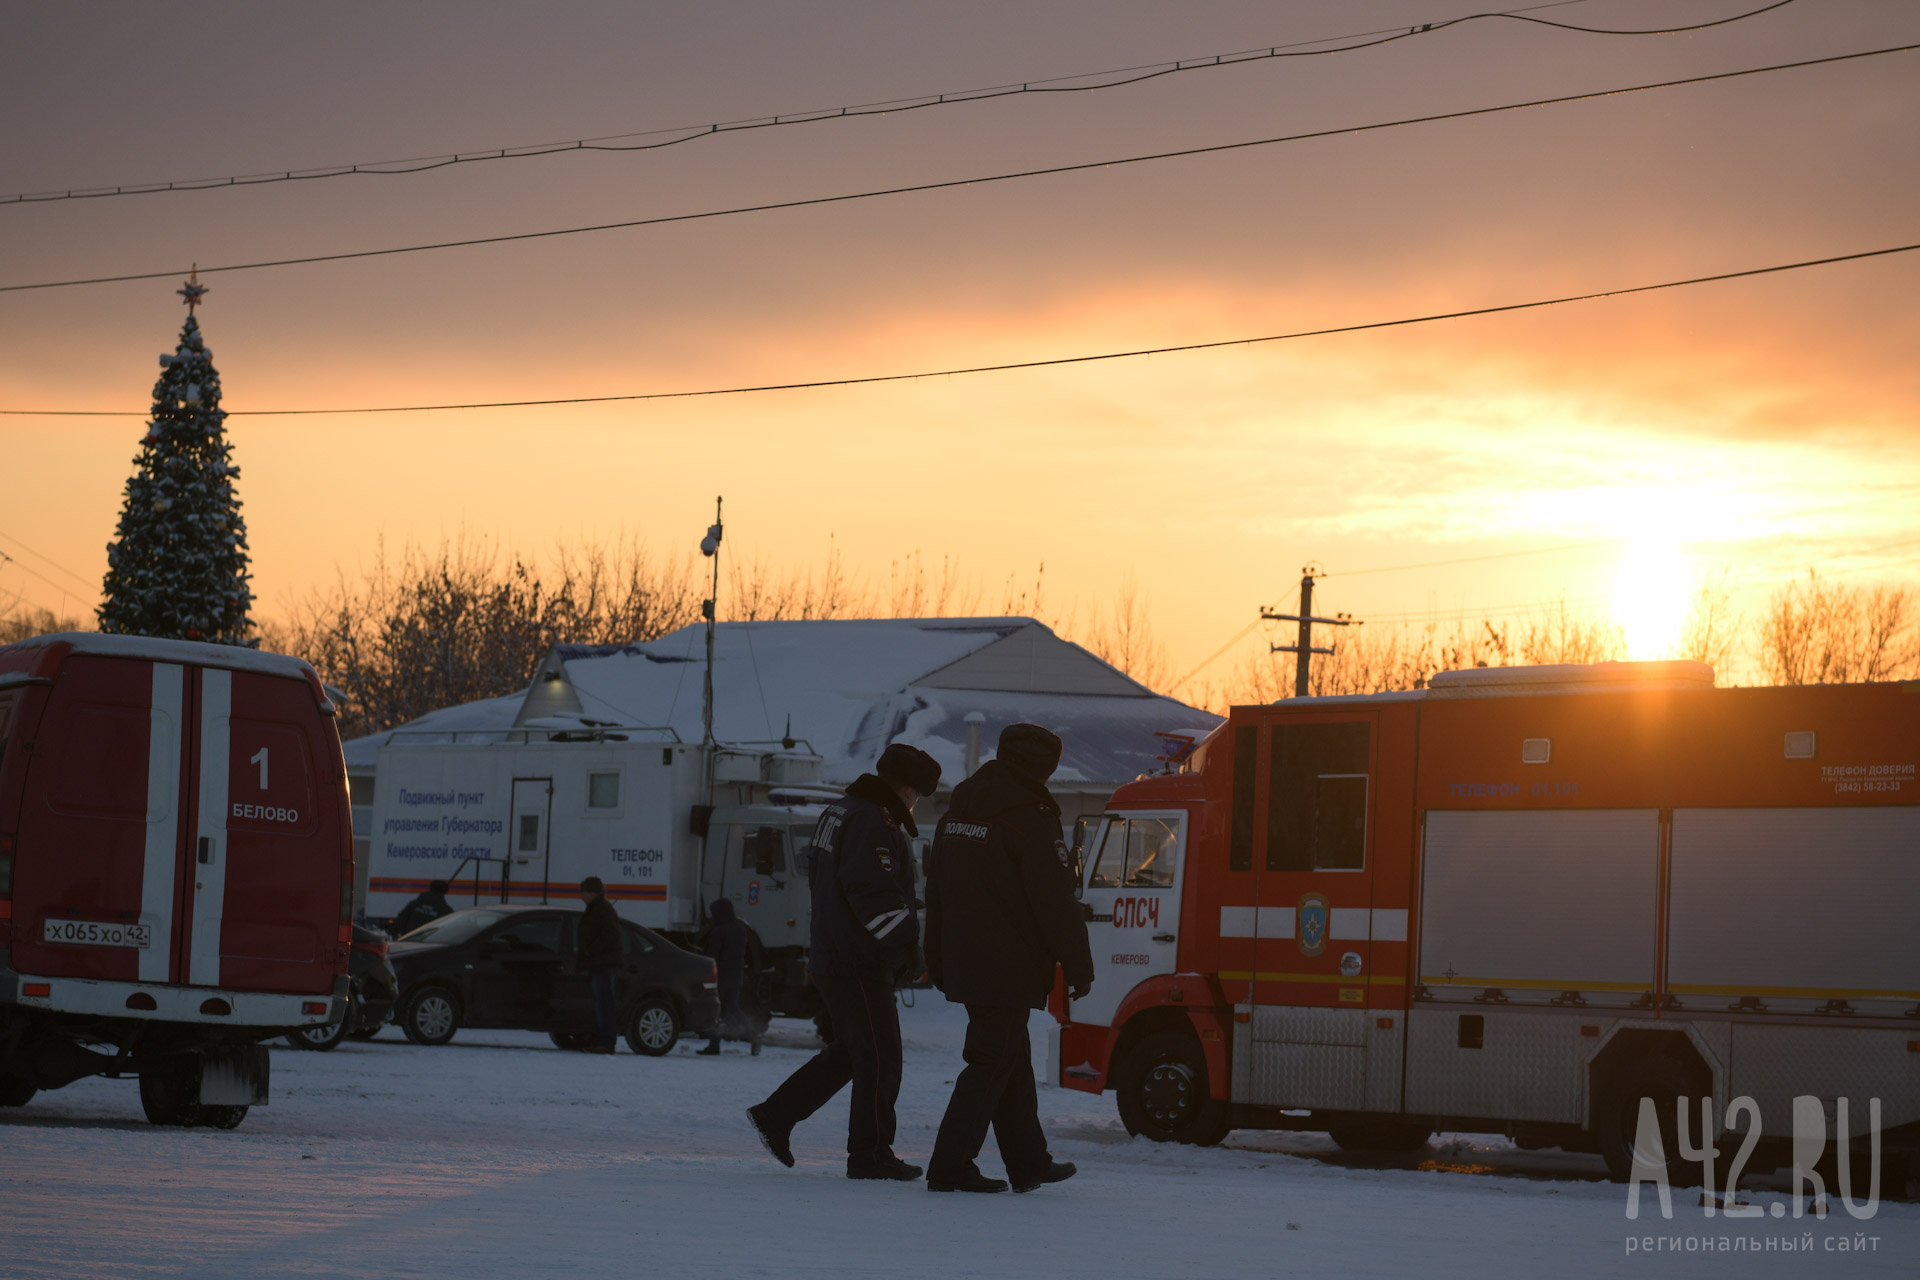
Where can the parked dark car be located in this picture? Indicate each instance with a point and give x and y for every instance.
(370, 997)
(509, 966)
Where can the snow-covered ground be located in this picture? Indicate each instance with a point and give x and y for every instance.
(499, 1156)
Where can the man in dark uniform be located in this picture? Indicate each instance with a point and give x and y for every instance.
(727, 948)
(600, 952)
(424, 909)
(1000, 915)
(866, 930)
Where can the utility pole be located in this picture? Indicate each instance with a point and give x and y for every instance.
(1303, 648)
(710, 547)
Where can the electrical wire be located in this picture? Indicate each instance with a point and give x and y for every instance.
(676, 135)
(952, 183)
(48, 559)
(64, 591)
(1054, 362)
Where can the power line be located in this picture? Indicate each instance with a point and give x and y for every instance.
(952, 183)
(676, 135)
(1056, 361)
(49, 559)
(35, 572)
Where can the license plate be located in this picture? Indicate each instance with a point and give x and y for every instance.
(92, 933)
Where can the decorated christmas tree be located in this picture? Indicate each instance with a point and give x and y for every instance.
(177, 567)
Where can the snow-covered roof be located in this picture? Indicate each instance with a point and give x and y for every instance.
(489, 715)
(850, 688)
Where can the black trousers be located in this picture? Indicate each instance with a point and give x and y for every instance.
(603, 1006)
(995, 1090)
(865, 1051)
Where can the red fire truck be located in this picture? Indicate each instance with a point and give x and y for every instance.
(176, 868)
(1517, 901)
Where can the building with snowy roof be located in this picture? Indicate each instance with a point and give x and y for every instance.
(846, 689)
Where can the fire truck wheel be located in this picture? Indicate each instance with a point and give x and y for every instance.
(1162, 1089)
(1379, 1133)
(170, 1091)
(1616, 1116)
(16, 1092)
(430, 1015)
(223, 1117)
(653, 1028)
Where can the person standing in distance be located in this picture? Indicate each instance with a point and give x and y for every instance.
(866, 931)
(727, 948)
(600, 952)
(1000, 915)
(424, 909)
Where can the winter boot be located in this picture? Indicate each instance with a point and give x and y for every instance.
(774, 1141)
(968, 1179)
(888, 1168)
(1051, 1171)
(710, 1051)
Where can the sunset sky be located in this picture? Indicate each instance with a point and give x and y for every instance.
(1750, 428)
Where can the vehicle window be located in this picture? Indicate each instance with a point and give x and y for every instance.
(638, 943)
(1109, 867)
(603, 791)
(539, 936)
(529, 833)
(457, 927)
(1153, 850)
(1317, 797)
(763, 850)
(1245, 772)
(802, 848)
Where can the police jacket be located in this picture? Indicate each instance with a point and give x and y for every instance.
(1000, 906)
(425, 909)
(727, 945)
(599, 937)
(861, 875)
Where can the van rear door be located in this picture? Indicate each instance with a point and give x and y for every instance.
(269, 831)
(97, 853)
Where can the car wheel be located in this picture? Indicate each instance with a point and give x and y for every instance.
(1161, 1085)
(223, 1117)
(1379, 1133)
(170, 1091)
(1616, 1118)
(322, 1038)
(16, 1092)
(572, 1041)
(653, 1027)
(430, 1015)
(365, 1033)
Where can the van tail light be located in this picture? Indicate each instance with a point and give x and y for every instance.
(41, 989)
(313, 1008)
(376, 948)
(712, 982)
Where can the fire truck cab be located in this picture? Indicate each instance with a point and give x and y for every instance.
(176, 868)
(1517, 901)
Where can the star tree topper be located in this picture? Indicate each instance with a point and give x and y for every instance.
(194, 290)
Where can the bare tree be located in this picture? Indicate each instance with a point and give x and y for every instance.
(1122, 636)
(17, 623)
(1712, 632)
(1818, 632)
(1563, 636)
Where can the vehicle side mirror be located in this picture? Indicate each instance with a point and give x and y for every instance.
(1075, 854)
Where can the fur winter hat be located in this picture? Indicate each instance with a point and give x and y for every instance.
(1030, 751)
(909, 767)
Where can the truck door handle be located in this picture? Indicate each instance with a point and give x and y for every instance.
(1163, 937)
(206, 849)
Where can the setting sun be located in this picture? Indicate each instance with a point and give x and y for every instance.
(1650, 596)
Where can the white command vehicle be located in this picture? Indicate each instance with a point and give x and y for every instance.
(524, 816)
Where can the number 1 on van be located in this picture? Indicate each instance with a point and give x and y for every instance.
(260, 758)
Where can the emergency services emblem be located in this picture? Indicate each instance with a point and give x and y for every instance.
(1310, 924)
(886, 858)
(1060, 852)
(753, 893)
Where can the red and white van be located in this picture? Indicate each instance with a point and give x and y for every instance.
(176, 868)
